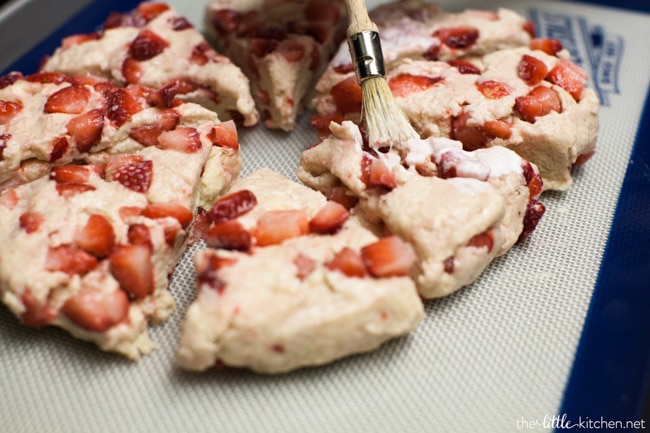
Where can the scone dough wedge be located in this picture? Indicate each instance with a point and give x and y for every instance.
(89, 246)
(283, 47)
(326, 288)
(156, 47)
(458, 209)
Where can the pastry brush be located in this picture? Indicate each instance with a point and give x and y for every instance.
(385, 121)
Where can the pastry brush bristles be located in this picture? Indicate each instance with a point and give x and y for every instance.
(385, 121)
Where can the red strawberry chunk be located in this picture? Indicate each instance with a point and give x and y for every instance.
(185, 140)
(179, 212)
(483, 240)
(96, 311)
(4, 138)
(69, 259)
(492, 89)
(570, 77)
(232, 206)
(534, 212)
(139, 234)
(136, 176)
(131, 70)
(97, 236)
(70, 173)
(132, 268)
(230, 235)
(224, 134)
(341, 195)
(146, 135)
(60, 146)
(121, 106)
(464, 66)
(86, 129)
(305, 265)
(70, 100)
(405, 84)
(73, 40)
(533, 179)
(457, 37)
(374, 173)
(70, 189)
(147, 45)
(150, 10)
(322, 121)
(276, 226)
(292, 51)
(329, 218)
(549, 46)
(208, 271)
(539, 102)
(349, 262)
(388, 257)
(347, 95)
(31, 221)
(532, 70)
(36, 314)
(8, 110)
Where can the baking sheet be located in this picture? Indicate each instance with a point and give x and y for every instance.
(494, 357)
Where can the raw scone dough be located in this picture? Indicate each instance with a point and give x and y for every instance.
(284, 306)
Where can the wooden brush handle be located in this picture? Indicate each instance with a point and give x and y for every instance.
(359, 19)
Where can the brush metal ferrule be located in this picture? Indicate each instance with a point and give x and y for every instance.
(368, 60)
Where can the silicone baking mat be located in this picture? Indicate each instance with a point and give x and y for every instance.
(555, 334)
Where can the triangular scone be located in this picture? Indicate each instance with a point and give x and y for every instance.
(415, 29)
(155, 47)
(282, 47)
(51, 119)
(458, 209)
(296, 282)
(92, 244)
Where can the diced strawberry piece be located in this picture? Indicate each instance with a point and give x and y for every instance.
(224, 134)
(349, 262)
(534, 212)
(497, 129)
(230, 235)
(232, 206)
(132, 268)
(483, 240)
(260, 47)
(492, 89)
(97, 236)
(69, 259)
(131, 71)
(36, 314)
(70, 189)
(70, 100)
(8, 110)
(539, 102)
(292, 51)
(70, 173)
(276, 226)
(179, 212)
(47, 77)
(533, 179)
(347, 95)
(60, 146)
(114, 162)
(150, 10)
(329, 218)
(457, 37)
(529, 27)
(405, 84)
(8, 198)
(136, 176)
(583, 158)
(317, 10)
(4, 138)
(86, 129)
(464, 66)
(341, 195)
(305, 265)
(180, 23)
(9, 79)
(139, 234)
(31, 221)
(185, 140)
(121, 106)
(96, 311)
(208, 270)
(128, 212)
(79, 39)
(532, 70)
(388, 257)
(549, 46)
(146, 135)
(322, 121)
(375, 173)
(147, 45)
(570, 77)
